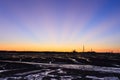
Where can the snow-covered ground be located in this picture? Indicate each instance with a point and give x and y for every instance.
(63, 72)
(74, 66)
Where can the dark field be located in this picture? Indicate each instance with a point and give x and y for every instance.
(59, 66)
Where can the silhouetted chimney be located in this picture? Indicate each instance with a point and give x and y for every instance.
(83, 49)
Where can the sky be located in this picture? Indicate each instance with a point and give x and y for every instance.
(60, 25)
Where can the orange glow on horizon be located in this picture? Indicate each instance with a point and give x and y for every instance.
(60, 48)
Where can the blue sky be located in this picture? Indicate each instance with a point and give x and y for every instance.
(60, 25)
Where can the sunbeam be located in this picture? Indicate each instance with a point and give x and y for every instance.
(59, 25)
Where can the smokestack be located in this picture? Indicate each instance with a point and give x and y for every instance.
(83, 49)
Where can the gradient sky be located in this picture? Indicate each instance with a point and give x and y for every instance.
(60, 25)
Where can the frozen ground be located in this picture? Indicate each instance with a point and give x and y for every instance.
(59, 66)
(48, 71)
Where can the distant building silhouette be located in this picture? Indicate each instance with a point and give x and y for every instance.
(74, 51)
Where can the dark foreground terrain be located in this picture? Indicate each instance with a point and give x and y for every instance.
(59, 66)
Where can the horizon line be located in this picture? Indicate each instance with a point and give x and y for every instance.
(57, 51)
